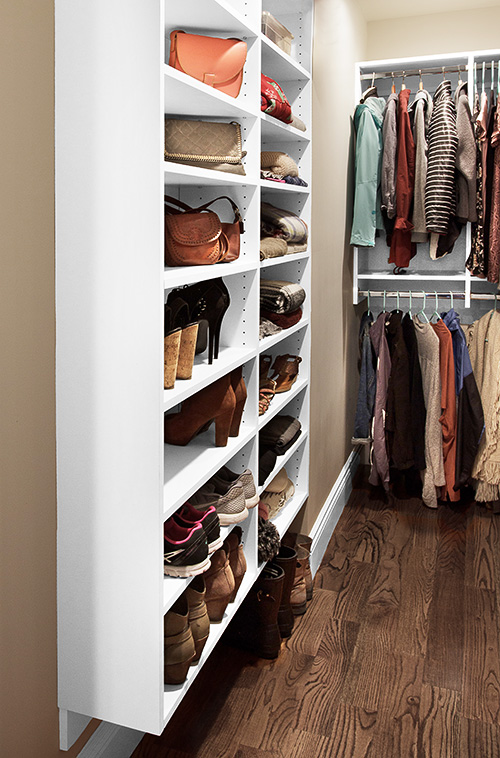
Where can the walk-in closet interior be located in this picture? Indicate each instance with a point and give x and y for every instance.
(204, 302)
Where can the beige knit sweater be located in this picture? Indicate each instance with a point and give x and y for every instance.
(428, 357)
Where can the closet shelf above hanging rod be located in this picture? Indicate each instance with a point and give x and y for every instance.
(428, 293)
(417, 72)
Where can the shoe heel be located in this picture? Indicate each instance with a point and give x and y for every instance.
(198, 646)
(240, 393)
(236, 422)
(223, 426)
(171, 347)
(186, 352)
(176, 673)
(216, 608)
(237, 584)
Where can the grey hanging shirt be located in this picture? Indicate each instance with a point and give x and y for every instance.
(422, 110)
(390, 143)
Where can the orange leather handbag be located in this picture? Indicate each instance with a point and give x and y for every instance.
(196, 236)
(217, 62)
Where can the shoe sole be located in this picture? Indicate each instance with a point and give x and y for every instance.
(194, 570)
(252, 502)
(232, 518)
(213, 546)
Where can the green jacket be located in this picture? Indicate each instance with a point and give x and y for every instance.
(367, 216)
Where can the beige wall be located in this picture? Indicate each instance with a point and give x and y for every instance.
(450, 32)
(339, 41)
(28, 712)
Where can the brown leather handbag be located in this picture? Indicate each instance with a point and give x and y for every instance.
(197, 236)
(212, 60)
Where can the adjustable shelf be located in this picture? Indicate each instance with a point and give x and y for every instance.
(268, 342)
(274, 130)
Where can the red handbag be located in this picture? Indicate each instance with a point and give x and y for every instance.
(197, 236)
(215, 61)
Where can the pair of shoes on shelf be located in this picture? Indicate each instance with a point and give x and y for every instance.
(277, 493)
(225, 575)
(302, 544)
(229, 493)
(204, 303)
(189, 537)
(186, 627)
(179, 342)
(284, 370)
(222, 401)
(267, 386)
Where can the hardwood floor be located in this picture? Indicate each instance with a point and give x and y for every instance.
(396, 657)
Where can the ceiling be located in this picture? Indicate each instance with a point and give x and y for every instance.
(375, 10)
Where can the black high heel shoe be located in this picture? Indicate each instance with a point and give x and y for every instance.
(208, 303)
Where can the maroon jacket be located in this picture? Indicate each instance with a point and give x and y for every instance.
(402, 248)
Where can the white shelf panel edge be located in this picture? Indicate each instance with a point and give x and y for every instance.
(217, 16)
(279, 65)
(204, 374)
(178, 173)
(195, 463)
(267, 184)
(284, 259)
(281, 400)
(174, 586)
(275, 130)
(268, 342)
(285, 517)
(186, 96)
(282, 459)
(176, 277)
(173, 694)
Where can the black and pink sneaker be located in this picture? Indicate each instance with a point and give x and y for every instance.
(188, 516)
(185, 551)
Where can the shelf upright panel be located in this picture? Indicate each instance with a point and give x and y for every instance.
(109, 322)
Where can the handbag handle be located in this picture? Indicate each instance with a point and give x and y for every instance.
(188, 209)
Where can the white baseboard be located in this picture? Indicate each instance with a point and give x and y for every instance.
(111, 741)
(329, 515)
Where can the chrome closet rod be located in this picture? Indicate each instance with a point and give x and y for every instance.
(428, 294)
(417, 71)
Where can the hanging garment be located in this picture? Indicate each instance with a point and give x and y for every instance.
(483, 340)
(417, 403)
(398, 415)
(428, 355)
(379, 472)
(422, 110)
(488, 184)
(477, 260)
(443, 141)
(470, 420)
(367, 216)
(402, 248)
(367, 383)
(448, 418)
(390, 143)
(465, 175)
(494, 238)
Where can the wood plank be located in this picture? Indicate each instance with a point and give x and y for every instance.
(307, 637)
(439, 729)
(353, 732)
(350, 588)
(482, 546)
(479, 739)
(481, 674)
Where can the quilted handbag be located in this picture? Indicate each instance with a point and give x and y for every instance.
(214, 61)
(205, 144)
(196, 236)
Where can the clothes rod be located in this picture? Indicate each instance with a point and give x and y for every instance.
(428, 294)
(417, 72)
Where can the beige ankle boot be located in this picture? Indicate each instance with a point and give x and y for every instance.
(220, 584)
(298, 598)
(199, 623)
(291, 539)
(237, 560)
(178, 642)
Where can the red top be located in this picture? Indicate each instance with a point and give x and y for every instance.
(402, 248)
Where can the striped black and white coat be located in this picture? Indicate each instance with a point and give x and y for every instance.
(440, 178)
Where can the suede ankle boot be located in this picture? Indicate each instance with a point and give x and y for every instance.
(287, 560)
(298, 598)
(302, 540)
(255, 626)
(178, 642)
(199, 623)
(237, 560)
(220, 585)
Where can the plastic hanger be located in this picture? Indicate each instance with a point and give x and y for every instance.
(444, 73)
(368, 311)
(422, 312)
(409, 309)
(383, 307)
(483, 77)
(451, 300)
(436, 311)
(420, 82)
(393, 88)
(459, 75)
(475, 78)
(403, 85)
(492, 76)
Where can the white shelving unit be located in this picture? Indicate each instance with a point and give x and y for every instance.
(371, 270)
(117, 481)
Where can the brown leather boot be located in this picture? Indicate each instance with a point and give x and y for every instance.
(178, 642)
(298, 599)
(302, 540)
(255, 625)
(219, 581)
(240, 394)
(237, 560)
(287, 560)
(199, 623)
